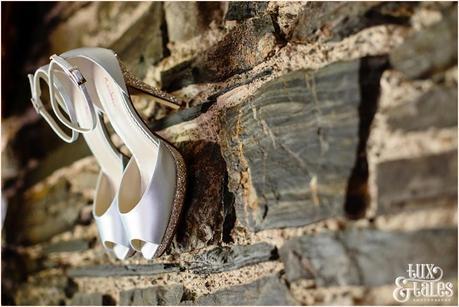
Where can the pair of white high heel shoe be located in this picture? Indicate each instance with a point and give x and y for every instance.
(138, 202)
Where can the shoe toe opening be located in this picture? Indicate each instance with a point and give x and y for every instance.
(120, 251)
(148, 249)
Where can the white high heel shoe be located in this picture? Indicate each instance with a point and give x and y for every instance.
(72, 95)
(152, 189)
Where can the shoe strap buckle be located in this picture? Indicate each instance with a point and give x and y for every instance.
(73, 72)
(76, 76)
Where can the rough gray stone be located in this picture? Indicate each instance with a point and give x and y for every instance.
(179, 116)
(122, 270)
(367, 257)
(186, 20)
(142, 44)
(157, 295)
(44, 213)
(240, 10)
(77, 245)
(241, 49)
(50, 289)
(336, 20)
(291, 149)
(63, 156)
(428, 51)
(437, 108)
(221, 259)
(87, 299)
(414, 179)
(265, 291)
(84, 180)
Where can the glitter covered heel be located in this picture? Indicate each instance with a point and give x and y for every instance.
(136, 85)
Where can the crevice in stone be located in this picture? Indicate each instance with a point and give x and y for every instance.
(265, 212)
(245, 80)
(188, 295)
(229, 212)
(108, 300)
(280, 36)
(200, 108)
(274, 254)
(71, 288)
(376, 16)
(7, 299)
(14, 267)
(11, 219)
(357, 194)
(164, 33)
(39, 134)
(180, 116)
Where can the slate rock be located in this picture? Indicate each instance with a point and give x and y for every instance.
(430, 50)
(367, 257)
(414, 179)
(265, 291)
(97, 24)
(186, 20)
(84, 180)
(77, 245)
(157, 295)
(87, 299)
(61, 157)
(240, 10)
(228, 258)
(48, 289)
(142, 45)
(337, 20)
(39, 215)
(291, 148)
(435, 109)
(179, 116)
(242, 48)
(107, 270)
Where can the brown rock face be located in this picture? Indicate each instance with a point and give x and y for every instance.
(186, 20)
(241, 49)
(205, 209)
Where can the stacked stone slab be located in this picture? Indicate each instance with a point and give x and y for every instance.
(321, 147)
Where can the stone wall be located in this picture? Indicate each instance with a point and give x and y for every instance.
(321, 147)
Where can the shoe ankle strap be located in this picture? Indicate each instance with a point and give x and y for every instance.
(63, 100)
(78, 79)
